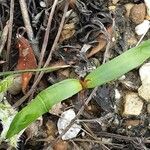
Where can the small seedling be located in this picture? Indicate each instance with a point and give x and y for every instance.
(60, 91)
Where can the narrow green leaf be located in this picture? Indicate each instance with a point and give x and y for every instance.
(119, 65)
(6, 83)
(47, 69)
(42, 103)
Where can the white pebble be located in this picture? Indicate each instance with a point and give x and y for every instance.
(144, 90)
(148, 108)
(64, 120)
(144, 72)
(147, 3)
(117, 94)
(42, 4)
(142, 28)
(123, 77)
(133, 104)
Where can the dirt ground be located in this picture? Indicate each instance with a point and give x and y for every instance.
(82, 34)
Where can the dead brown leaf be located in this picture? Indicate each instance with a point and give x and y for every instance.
(101, 44)
(26, 60)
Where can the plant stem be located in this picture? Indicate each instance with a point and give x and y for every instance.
(46, 69)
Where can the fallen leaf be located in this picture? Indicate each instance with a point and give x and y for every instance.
(26, 60)
(101, 43)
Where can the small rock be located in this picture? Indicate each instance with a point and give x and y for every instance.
(142, 28)
(137, 13)
(123, 77)
(117, 94)
(144, 90)
(112, 8)
(144, 72)
(147, 3)
(64, 120)
(133, 104)
(128, 9)
(148, 108)
(42, 4)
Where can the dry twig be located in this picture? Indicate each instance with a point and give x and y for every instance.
(4, 38)
(29, 30)
(10, 24)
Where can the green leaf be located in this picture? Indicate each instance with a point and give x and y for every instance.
(42, 103)
(119, 65)
(6, 83)
(47, 69)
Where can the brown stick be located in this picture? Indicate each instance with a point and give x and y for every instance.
(4, 37)
(46, 37)
(10, 26)
(28, 27)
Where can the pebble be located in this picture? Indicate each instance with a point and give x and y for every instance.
(137, 13)
(148, 108)
(142, 28)
(144, 89)
(144, 92)
(128, 7)
(144, 72)
(117, 94)
(42, 4)
(133, 104)
(64, 120)
(147, 3)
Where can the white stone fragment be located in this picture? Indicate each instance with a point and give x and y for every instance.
(128, 7)
(117, 94)
(148, 108)
(42, 4)
(123, 77)
(142, 28)
(64, 120)
(133, 104)
(144, 72)
(147, 3)
(144, 90)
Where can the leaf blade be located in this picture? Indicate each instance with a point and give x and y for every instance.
(42, 103)
(119, 65)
